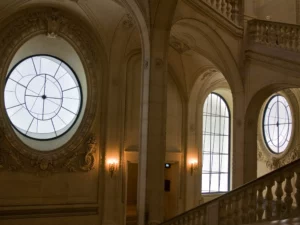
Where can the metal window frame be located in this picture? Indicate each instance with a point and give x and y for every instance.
(79, 86)
(229, 150)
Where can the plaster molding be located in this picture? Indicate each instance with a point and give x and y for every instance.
(128, 21)
(15, 155)
(273, 61)
(274, 163)
(178, 45)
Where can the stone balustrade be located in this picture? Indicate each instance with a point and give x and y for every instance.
(274, 196)
(280, 35)
(230, 9)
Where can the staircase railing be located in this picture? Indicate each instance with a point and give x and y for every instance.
(263, 199)
(274, 34)
(230, 9)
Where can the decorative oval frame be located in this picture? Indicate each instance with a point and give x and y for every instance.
(263, 125)
(53, 22)
(292, 152)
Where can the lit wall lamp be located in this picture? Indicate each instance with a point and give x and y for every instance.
(193, 166)
(112, 166)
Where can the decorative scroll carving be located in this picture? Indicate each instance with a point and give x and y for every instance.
(14, 154)
(128, 21)
(85, 163)
(178, 45)
(276, 162)
(81, 160)
(54, 23)
(208, 73)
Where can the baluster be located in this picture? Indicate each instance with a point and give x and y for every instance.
(218, 4)
(272, 35)
(245, 208)
(257, 36)
(288, 191)
(260, 201)
(223, 7)
(298, 40)
(186, 219)
(263, 31)
(252, 203)
(281, 37)
(204, 216)
(192, 218)
(269, 199)
(279, 194)
(222, 214)
(277, 33)
(229, 212)
(228, 9)
(236, 210)
(235, 11)
(293, 39)
(201, 217)
(297, 185)
(196, 218)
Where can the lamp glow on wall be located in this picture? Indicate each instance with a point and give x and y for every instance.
(193, 166)
(112, 166)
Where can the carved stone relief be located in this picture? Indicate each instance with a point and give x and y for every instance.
(128, 21)
(178, 45)
(77, 154)
(276, 162)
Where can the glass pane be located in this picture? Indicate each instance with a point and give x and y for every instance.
(215, 145)
(214, 186)
(277, 124)
(224, 182)
(37, 99)
(205, 182)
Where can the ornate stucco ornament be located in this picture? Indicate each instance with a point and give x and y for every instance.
(14, 154)
(178, 45)
(276, 162)
(54, 23)
(87, 160)
(82, 160)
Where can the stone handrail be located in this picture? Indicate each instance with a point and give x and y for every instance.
(230, 9)
(263, 199)
(280, 35)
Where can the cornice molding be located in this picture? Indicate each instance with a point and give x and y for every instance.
(16, 212)
(273, 61)
(78, 153)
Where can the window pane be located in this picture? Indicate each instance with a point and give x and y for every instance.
(277, 122)
(215, 145)
(42, 96)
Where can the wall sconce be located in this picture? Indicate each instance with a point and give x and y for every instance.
(193, 166)
(112, 166)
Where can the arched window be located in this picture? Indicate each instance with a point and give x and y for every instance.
(216, 145)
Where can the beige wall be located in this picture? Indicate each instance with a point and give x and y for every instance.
(203, 55)
(274, 10)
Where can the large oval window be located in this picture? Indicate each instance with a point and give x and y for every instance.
(42, 97)
(277, 124)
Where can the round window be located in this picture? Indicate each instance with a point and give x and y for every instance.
(42, 97)
(277, 124)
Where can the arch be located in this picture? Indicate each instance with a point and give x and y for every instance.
(251, 123)
(212, 47)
